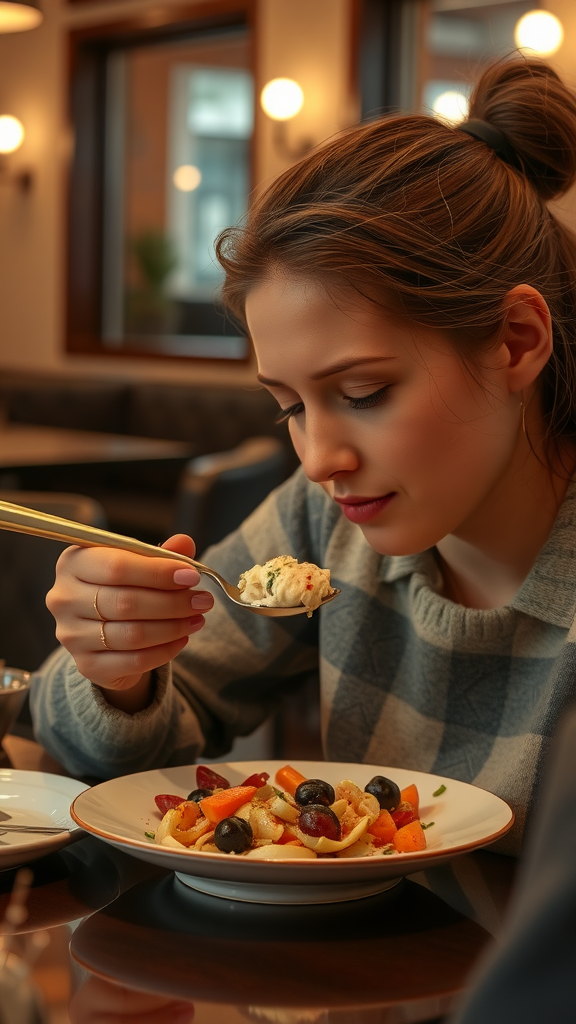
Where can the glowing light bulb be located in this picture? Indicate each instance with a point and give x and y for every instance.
(19, 16)
(539, 31)
(11, 133)
(281, 99)
(186, 178)
(451, 106)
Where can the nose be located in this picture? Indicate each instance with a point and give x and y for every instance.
(323, 448)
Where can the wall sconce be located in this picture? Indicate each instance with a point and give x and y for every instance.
(539, 31)
(11, 138)
(281, 100)
(19, 15)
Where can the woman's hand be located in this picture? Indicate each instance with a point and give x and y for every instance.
(121, 615)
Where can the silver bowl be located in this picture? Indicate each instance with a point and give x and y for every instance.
(14, 685)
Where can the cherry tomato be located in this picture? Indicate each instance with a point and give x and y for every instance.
(207, 779)
(401, 818)
(167, 801)
(257, 780)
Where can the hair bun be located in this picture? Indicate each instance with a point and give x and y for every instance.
(529, 103)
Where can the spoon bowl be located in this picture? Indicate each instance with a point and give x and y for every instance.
(18, 519)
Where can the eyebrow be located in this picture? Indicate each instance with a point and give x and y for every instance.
(329, 371)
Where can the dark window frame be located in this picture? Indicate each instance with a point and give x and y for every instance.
(88, 48)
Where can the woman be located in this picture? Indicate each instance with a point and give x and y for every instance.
(412, 303)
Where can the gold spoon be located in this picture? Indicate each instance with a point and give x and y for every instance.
(41, 524)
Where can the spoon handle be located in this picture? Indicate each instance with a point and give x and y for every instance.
(18, 519)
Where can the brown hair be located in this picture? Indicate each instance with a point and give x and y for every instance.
(423, 216)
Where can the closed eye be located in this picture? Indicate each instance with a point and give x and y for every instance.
(286, 414)
(368, 401)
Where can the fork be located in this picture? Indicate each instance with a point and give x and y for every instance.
(19, 519)
(46, 830)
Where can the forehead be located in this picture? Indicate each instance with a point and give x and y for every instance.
(290, 318)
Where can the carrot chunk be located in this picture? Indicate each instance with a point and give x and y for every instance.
(222, 805)
(410, 838)
(289, 779)
(410, 796)
(383, 829)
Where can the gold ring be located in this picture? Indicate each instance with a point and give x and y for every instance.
(96, 608)
(103, 638)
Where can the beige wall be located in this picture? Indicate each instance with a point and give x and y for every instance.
(303, 39)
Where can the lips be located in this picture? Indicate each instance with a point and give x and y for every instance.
(360, 509)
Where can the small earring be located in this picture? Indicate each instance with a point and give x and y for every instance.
(523, 414)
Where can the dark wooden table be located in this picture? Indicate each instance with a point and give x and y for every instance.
(127, 938)
(25, 445)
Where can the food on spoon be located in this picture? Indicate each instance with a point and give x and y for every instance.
(257, 820)
(283, 582)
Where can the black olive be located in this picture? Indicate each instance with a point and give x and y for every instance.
(314, 791)
(386, 792)
(233, 835)
(199, 794)
(319, 820)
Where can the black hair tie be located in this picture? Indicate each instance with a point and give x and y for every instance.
(494, 139)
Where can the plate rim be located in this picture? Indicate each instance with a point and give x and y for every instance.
(31, 850)
(192, 856)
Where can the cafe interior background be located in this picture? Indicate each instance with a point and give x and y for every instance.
(131, 132)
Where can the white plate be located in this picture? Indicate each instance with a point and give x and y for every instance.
(35, 798)
(122, 810)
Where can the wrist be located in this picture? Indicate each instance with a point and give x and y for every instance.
(133, 699)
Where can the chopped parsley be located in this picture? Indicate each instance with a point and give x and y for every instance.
(271, 579)
(150, 835)
(429, 825)
(439, 791)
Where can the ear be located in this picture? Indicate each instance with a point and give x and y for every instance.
(526, 341)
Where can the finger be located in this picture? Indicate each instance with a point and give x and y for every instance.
(181, 543)
(125, 604)
(115, 567)
(136, 636)
(118, 669)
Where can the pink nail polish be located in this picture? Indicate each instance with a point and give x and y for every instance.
(187, 577)
(202, 602)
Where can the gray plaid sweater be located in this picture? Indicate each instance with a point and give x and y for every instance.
(408, 678)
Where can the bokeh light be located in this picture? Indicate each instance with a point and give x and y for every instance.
(539, 31)
(11, 133)
(281, 99)
(451, 106)
(186, 178)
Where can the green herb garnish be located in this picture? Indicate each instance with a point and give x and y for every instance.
(150, 835)
(271, 579)
(439, 791)
(429, 825)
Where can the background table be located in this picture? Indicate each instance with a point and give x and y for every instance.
(24, 446)
(383, 960)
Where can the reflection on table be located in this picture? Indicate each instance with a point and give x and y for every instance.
(143, 943)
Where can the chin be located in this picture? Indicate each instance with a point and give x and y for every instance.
(396, 543)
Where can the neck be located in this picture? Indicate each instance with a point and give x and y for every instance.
(487, 559)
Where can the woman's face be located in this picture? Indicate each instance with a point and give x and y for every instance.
(384, 415)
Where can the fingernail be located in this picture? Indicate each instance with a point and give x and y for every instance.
(187, 577)
(202, 601)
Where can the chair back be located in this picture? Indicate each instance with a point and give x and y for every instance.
(27, 567)
(217, 492)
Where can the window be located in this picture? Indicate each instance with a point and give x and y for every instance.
(164, 129)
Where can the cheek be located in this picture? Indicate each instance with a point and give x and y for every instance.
(439, 445)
